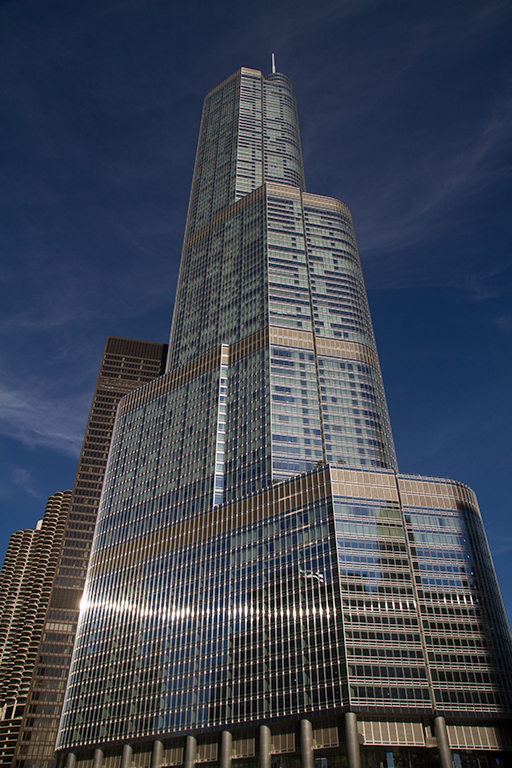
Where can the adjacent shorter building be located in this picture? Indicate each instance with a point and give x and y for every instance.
(26, 582)
(29, 739)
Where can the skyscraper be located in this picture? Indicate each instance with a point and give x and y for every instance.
(41, 584)
(264, 586)
(26, 581)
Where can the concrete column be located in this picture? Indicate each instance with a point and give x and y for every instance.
(126, 759)
(226, 749)
(265, 747)
(190, 752)
(307, 759)
(352, 736)
(98, 758)
(157, 754)
(71, 760)
(443, 744)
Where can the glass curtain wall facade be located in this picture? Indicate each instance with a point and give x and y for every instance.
(262, 580)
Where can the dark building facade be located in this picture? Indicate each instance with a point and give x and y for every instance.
(126, 365)
(264, 587)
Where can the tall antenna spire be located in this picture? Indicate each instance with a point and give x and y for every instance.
(273, 64)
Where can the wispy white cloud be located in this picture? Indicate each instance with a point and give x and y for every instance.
(38, 418)
(460, 25)
(504, 323)
(501, 545)
(415, 193)
(400, 154)
(24, 479)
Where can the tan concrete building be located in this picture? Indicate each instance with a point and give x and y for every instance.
(26, 582)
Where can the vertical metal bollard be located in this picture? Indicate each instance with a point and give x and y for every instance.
(306, 744)
(126, 759)
(353, 750)
(226, 749)
(157, 754)
(443, 744)
(190, 752)
(265, 747)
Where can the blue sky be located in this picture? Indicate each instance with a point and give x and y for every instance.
(406, 116)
